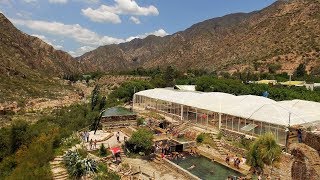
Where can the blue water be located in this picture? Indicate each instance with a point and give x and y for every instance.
(205, 168)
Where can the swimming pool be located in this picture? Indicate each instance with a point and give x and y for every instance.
(205, 168)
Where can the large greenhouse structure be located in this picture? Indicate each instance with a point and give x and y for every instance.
(247, 114)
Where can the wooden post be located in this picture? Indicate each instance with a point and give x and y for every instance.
(181, 112)
(219, 121)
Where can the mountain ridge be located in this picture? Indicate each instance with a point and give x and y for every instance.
(284, 33)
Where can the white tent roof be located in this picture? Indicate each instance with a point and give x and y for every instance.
(248, 106)
(186, 87)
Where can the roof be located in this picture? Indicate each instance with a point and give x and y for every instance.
(117, 111)
(266, 81)
(186, 87)
(293, 83)
(247, 106)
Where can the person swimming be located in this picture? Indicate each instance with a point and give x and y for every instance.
(191, 167)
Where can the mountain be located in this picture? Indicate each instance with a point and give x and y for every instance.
(28, 65)
(23, 54)
(282, 35)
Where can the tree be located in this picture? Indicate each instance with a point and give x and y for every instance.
(273, 68)
(263, 150)
(301, 70)
(140, 141)
(169, 75)
(95, 97)
(102, 103)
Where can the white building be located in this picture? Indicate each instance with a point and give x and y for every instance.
(248, 114)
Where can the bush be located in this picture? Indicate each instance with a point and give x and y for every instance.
(103, 150)
(140, 121)
(219, 135)
(263, 150)
(200, 138)
(78, 166)
(140, 141)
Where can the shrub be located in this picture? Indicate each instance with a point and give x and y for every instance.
(78, 166)
(200, 138)
(140, 121)
(102, 150)
(140, 141)
(263, 150)
(219, 135)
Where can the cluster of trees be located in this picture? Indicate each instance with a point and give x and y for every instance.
(236, 87)
(124, 93)
(81, 77)
(26, 149)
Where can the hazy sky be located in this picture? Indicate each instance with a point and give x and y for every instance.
(78, 26)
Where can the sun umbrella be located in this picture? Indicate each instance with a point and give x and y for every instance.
(115, 150)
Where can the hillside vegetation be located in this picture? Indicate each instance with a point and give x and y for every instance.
(282, 35)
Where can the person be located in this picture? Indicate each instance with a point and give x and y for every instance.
(87, 134)
(118, 136)
(191, 167)
(237, 163)
(95, 144)
(228, 159)
(235, 160)
(244, 160)
(82, 136)
(299, 135)
(90, 143)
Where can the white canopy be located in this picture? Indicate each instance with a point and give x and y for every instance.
(257, 108)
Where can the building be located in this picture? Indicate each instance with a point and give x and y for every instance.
(118, 117)
(265, 81)
(247, 114)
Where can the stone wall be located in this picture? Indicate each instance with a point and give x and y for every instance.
(311, 139)
(234, 149)
(118, 118)
(306, 163)
(232, 135)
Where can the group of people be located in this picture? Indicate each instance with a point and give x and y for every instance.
(85, 136)
(236, 160)
(93, 144)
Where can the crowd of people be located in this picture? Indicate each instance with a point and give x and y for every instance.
(236, 160)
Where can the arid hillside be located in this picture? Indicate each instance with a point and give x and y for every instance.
(284, 35)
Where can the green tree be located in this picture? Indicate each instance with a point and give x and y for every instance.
(95, 97)
(140, 141)
(263, 150)
(102, 103)
(103, 150)
(301, 70)
(169, 75)
(273, 68)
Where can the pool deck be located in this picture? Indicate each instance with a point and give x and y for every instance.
(244, 169)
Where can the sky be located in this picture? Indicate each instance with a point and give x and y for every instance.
(79, 26)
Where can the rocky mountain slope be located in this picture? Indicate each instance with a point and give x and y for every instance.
(28, 65)
(23, 54)
(284, 34)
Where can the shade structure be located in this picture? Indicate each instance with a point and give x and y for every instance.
(115, 150)
(257, 108)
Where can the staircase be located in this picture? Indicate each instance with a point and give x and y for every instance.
(158, 159)
(220, 149)
(59, 172)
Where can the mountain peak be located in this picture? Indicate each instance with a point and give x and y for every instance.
(285, 33)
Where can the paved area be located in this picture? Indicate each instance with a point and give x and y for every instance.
(110, 142)
(152, 169)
